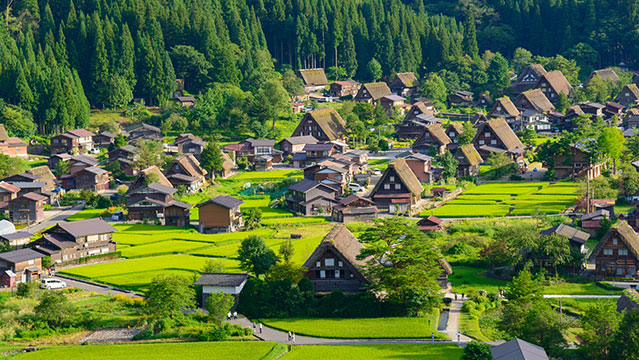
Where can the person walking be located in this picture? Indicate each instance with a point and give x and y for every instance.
(463, 296)
(455, 296)
(289, 335)
(228, 316)
(235, 315)
(458, 338)
(254, 327)
(293, 338)
(260, 328)
(432, 337)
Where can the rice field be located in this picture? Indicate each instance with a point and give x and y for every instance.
(509, 199)
(376, 352)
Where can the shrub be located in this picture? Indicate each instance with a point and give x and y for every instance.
(27, 289)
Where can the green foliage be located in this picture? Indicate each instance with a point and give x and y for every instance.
(46, 262)
(255, 256)
(148, 153)
(285, 271)
(468, 133)
(213, 266)
(63, 168)
(373, 70)
(523, 288)
(252, 218)
(600, 322)
(211, 158)
(449, 163)
(286, 251)
(626, 342)
(11, 165)
(54, 309)
(477, 350)
(218, 305)
(27, 289)
(169, 295)
(433, 88)
(190, 65)
(410, 267)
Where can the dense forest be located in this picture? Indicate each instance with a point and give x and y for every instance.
(59, 58)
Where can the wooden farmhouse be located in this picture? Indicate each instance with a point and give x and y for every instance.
(504, 108)
(185, 170)
(496, 136)
(528, 78)
(334, 264)
(617, 253)
(143, 131)
(16, 240)
(227, 283)
(608, 75)
(8, 192)
(79, 141)
(554, 83)
(341, 89)
(461, 98)
(314, 79)
(398, 189)
(628, 96)
(311, 197)
(20, 266)
(74, 240)
(432, 141)
(421, 165)
(575, 162)
(418, 117)
(372, 92)
(295, 144)
(404, 84)
(354, 208)
(468, 160)
(534, 100)
(430, 223)
(27, 208)
(577, 238)
(324, 125)
(220, 214)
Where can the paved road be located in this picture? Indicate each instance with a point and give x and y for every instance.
(99, 288)
(452, 328)
(55, 217)
(269, 334)
(582, 296)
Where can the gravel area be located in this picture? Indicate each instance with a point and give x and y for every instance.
(111, 335)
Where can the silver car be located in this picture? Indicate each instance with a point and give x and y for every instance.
(52, 284)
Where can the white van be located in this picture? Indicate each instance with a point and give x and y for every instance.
(52, 284)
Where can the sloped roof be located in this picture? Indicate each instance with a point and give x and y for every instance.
(146, 172)
(330, 121)
(569, 232)
(505, 133)
(313, 76)
(81, 133)
(16, 235)
(632, 88)
(94, 170)
(377, 90)
(85, 159)
(21, 255)
(342, 240)
(9, 187)
(604, 74)
(627, 235)
(471, 154)
(437, 136)
(507, 106)
(4, 136)
(406, 175)
(34, 196)
(222, 279)
(520, 85)
(406, 79)
(304, 185)
(86, 227)
(517, 349)
(457, 125)
(228, 162)
(226, 201)
(538, 100)
(297, 140)
(558, 82)
(44, 174)
(190, 164)
(142, 126)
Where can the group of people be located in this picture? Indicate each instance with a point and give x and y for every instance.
(256, 327)
(462, 296)
(231, 316)
(291, 337)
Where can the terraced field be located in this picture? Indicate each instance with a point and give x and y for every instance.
(510, 198)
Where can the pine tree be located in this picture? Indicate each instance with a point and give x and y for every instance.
(99, 67)
(469, 44)
(126, 57)
(211, 158)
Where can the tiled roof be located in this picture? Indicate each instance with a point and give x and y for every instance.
(226, 201)
(18, 256)
(221, 279)
(86, 227)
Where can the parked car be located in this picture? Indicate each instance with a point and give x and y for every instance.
(356, 187)
(52, 284)
(376, 171)
(117, 216)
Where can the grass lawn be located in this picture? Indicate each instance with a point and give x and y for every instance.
(376, 352)
(248, 350)
(509, 198)
(579, 305)
(86, 214)
(468, 280)
(369, 328)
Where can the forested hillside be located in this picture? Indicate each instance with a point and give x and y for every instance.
(58, 58)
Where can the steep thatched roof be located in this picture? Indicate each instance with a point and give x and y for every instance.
(433, 135)
(471, 154)
(558, 82)
(626, 234)
(604, 74)
(377, 90)
(4, 136)
(190, 164)
(313, 76)
(537, 100)
(506, 107)
(504, 132)
(152, 171)
(405, 79)
(344, 242)
(406, 175)
(528, 78)
(45, 175)
(330, 121)
(629, 301)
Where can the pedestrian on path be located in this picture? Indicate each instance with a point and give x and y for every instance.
(228, 316)
(289, 335)
(432, 337)
(235, 315)
(463, 296)
(254, 327)
(455, 296)
(293, 336)
(260, 328)
(458, 338)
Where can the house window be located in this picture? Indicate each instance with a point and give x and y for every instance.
(337, 274)
(607, 251)
(340, 264)
(481, 142)
(614, 242)
(623, 252)
(486, 134)
(398, 186)
(552, 95)
(392, 179)
(498, 108)
(386, 186)
(31, 262)
(322, 274)
(318, 264)
(329, 262)
(619, 271)
(494, 142)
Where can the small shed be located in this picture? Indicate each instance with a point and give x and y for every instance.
(222, 282)
(438, 191)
